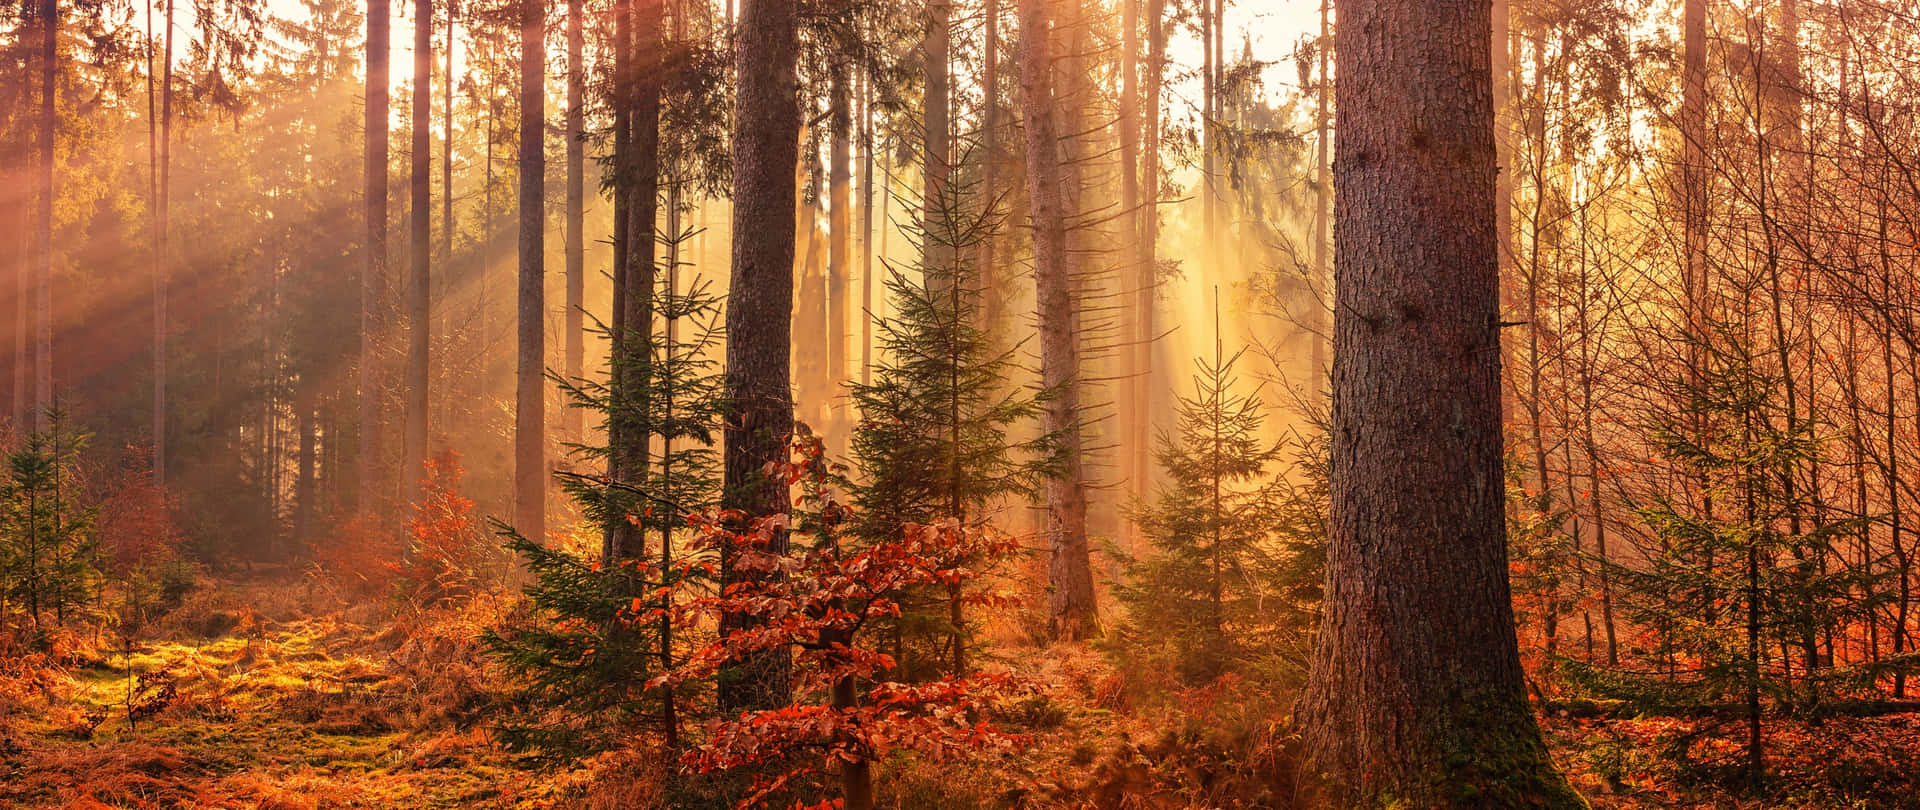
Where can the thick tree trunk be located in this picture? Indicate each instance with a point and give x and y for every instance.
(530, 404)
(766, 133)
(419, 279)
(575, 419)
(1416, 689)
(379, 23)
(1070, 570)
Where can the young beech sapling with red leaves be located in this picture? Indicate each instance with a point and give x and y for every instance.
(822, 598)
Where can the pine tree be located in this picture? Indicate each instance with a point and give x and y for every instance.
(49, 558)
(1234, 551)
(583, 654)
(1731, 587)
(937, 421)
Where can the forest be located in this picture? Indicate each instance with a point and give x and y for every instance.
(959, 405)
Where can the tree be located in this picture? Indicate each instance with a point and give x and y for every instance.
(419, 283)
(827, 608)
(49, 557)
(530, 402)
(1221, 586)
(576, 216)
(379, 22)
(1070, 567)
(1393, 709)
(43, 271)
(162, 159)
(766, 150)
(934, 439)
(1779, 581)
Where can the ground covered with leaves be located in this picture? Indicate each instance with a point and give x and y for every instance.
(251, 697)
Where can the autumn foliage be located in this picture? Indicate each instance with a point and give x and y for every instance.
(823, 598)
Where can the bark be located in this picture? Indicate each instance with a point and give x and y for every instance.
(529, 418)
(766, 132)
(419, 279)
(575, 420)
(1069, 570)
(1416, 689)
(378, 26)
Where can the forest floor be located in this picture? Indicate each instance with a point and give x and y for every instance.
(247, 698)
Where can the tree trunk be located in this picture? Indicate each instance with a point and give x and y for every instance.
(1070, 570)
(936, 155)
(633, 349)
(866, 231)
(162, 193)
(419, 279)
(575, 419)
(1319, 282)
(1138, 427)
(1418, 541)
(986, 276)
(766, 133)
(378, 25)
(839, 175)
(43, 275)
(529, 419)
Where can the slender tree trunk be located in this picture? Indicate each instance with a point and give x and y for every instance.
(43, 275)
(1149, 279)
(1418, 536)
(1138, 425)
(1207, 23)
(866, 230)
(159, 259)
(378, 25)
(1070, 575)
(19, 210)
(766, 134)
(575, 419)
(633, 352)
(839, 175)
(1320, 282)
(530, 404)
(936, 153)
(419, 280)
(305, 491)
(446, 163)
(618, 424)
